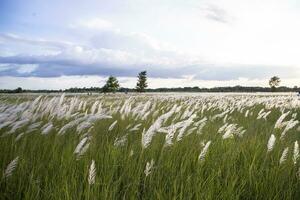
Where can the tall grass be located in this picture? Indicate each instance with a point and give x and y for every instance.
(127, 147)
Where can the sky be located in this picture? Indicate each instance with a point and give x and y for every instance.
(60, 44)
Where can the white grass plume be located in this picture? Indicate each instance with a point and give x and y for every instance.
(131, 153)
(204, 151)
(135, 128)
(149, 167)
(229, 131)
(83, 150)
(200, 128)
(94, 106)
(112, 126)
(170, 136)
(61, 99)
(290, 124)
(34, 126)
(120, 141)
(83, 126)
(271, 142)
(19, 136)
(11, 167)
(186, 124)
(240, 131)
(223, 128)
(279, 121)
(80, 145)
(267, 114)
(148, 135)
(4, 124)
(70, 125)
(284, 155)
(18, 124)
(247, 113)
(296, 152)
(92, 173)
(47, 129)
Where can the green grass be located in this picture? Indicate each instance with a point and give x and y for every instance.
(236, 168)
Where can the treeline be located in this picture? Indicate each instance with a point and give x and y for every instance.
(178, 89)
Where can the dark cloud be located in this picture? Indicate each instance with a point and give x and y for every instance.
(51, 67)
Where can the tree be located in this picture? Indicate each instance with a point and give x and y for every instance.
(111, 85)
(141, 84)
(274, 82)
(19, 90)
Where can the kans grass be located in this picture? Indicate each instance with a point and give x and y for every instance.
(151, 146)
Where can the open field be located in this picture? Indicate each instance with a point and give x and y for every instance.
(151, 146)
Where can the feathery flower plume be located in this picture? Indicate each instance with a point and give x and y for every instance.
(200, 128)
(271, 142)
(120, 141)
(99, 108)
(18, 124)
(80, 145)
(80, 105)
(11, 167)
(83, 126)
(296, 152)
(222, 128)
(267, 114)
(111, 127)
(284, 155)
(294, 115)
(131, 153)
(61, 99)
(94, 106)
(149, 167)
(247, 113)
(19, 136)
(84, 106)
(229, 131)
(170, 136)
(92, 173)
(260, 113)
(290, 124)
(279, 121)
(186, 124)
(147, 136)
(47, 129)
(204, 151)
(135, 128)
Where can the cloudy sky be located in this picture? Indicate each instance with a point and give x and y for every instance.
(66, 43)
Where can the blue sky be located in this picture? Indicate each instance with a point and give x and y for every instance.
(206, 43)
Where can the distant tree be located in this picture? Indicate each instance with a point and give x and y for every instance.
(274, 82)
(19, 90)
(112, 85)
(141, 84)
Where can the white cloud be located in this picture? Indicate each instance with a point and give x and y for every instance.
(27, 68)
(93, 23)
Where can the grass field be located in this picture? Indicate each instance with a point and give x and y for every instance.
(151, 146)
